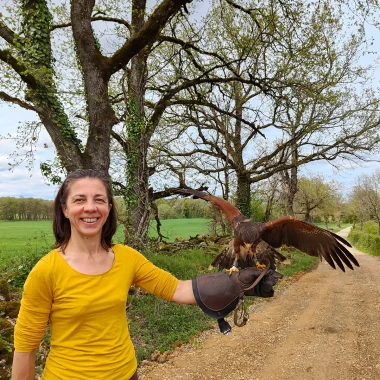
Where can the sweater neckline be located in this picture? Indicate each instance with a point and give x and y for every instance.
(57, 253)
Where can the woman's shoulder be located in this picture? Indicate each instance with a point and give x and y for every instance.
(44, 267)
(125, 251)
(47, 261)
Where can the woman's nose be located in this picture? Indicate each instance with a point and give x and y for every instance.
(90, 206)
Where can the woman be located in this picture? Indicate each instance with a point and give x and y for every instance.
(81, 288)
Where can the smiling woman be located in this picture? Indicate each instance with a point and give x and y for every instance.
(81, 289)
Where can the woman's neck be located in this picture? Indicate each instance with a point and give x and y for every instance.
(85, 246)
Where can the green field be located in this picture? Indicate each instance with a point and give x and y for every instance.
(20, 238)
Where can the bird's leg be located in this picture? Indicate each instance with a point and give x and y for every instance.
(234, 267)
(257, 262)
(235, 264)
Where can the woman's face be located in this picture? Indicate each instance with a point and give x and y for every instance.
(87, 206)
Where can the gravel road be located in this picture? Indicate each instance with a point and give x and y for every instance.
(324, 326)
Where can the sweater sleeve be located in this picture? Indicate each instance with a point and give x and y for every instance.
(153, 279)
(35, 308)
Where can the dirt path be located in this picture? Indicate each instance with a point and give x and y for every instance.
(326, 325)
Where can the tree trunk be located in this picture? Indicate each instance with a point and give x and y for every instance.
(243, 195)
(291, 180)
(269, 205)
(137, 196)
(308, 216)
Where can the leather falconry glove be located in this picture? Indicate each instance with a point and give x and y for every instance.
(217, 294)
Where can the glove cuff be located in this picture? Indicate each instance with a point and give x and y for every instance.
(218, 306)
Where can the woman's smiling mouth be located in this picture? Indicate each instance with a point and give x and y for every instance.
(89, 220)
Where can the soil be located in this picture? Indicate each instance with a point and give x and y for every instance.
(325, 324)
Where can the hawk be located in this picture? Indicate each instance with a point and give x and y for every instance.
(287, 230)
(265, 254)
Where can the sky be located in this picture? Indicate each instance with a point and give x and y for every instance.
(22, 182)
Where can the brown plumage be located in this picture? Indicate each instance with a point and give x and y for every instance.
(264, 252)
(287, 230)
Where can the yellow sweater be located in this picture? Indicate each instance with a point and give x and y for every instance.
(87, 314)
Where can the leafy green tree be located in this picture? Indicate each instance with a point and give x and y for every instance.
(300, 101)
(365, 198)
(313, 197)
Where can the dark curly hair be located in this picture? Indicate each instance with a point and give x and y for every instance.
(61, 225)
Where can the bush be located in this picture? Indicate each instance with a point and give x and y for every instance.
(371, 227)
(369, 243)
(17, 269)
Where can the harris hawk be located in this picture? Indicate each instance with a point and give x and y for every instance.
(286, 230)
(265, 254)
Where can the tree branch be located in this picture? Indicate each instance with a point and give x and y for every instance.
(146, 35)
(10, 99)
(7, 33)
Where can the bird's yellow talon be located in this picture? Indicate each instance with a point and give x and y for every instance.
(232, 269)
(260, 266)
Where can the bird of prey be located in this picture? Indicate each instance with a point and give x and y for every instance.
(265, 254)
(287, 230)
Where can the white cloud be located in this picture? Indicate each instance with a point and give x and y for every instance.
(20, 181)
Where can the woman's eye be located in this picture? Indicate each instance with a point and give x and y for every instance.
(100, 200)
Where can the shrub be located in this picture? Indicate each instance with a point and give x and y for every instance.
(369, 243)
(18, 268)
(371, 227)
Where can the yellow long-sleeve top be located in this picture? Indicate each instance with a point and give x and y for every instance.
(87, 314)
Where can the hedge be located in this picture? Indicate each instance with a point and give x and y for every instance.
(369, 243)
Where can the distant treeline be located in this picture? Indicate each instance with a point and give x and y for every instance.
(12, 208)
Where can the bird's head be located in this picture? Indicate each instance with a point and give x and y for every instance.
(248, 247)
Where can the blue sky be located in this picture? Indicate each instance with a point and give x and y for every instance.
(22, 182)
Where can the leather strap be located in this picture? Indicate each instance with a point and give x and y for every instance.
(258, 279)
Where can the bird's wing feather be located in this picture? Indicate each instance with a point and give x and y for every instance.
(263, 249)
(226, 258)
(226, 207)
(310, 239)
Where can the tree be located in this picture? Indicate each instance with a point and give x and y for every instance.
(27, 57)
(302, 106)
(314, 196)
(365, 198)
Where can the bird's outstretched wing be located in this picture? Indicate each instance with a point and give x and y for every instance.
(309, 239)
(265, 254)
(226, 207)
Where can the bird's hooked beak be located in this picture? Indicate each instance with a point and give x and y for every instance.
(248, 247)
